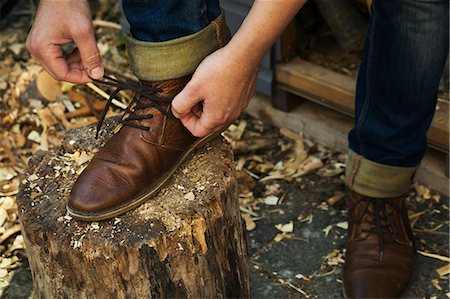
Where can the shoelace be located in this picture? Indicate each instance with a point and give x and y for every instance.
(140, 91)
(381, 222)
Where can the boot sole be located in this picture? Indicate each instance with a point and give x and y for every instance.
(145, 196)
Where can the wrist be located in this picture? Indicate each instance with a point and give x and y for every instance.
(244, 52)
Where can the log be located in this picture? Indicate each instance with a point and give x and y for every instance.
(187, 242)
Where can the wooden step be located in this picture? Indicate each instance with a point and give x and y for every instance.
(337, 91)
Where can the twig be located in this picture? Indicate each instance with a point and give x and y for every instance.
(106, 24)
(282, 281)
(106, 96)
(434, 256)
(245, 210)
(429, 232)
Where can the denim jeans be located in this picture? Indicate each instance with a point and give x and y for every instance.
(406, 49)
(163, 20)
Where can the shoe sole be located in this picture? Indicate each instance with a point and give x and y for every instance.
(145, 196)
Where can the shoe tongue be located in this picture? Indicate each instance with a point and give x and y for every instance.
(168, 88)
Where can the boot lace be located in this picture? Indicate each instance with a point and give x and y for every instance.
(136, 104)
(380, 220)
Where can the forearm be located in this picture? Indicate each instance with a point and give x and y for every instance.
(264, 23)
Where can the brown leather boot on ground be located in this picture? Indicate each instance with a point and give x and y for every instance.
(136, 162)
(380, 251)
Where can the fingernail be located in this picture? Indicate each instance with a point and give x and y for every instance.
(97, 72)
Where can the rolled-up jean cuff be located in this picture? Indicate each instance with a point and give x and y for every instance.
(377, 180)
(156, 61)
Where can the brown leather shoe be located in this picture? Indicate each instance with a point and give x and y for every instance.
(136, 162)
(380, 251)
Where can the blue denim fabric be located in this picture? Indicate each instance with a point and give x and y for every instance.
(163, 20)
(405, 52)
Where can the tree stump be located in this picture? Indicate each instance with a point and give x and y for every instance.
(186, 242)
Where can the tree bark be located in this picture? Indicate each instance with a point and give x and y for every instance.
(186, 242)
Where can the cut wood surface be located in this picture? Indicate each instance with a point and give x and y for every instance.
(337, 91)
(186, 242)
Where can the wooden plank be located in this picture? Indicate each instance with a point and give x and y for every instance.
(337, 91)
(318, 83)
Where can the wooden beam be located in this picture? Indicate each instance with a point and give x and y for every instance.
(337, 91)
(330, 128)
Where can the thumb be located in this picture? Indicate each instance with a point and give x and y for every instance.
(185, 101)
(89, 53)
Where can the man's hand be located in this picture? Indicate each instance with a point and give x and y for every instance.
(223, 83)
(62, 22)
(218, 92)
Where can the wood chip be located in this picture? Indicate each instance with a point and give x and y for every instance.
(343, 225)
(3, 216)
(106, 24)
(442, 271)
(422, 191)
(434, 256)
(9, 232)
(327, 230)
(436, 284)
(286, 228)
(271, 200)
(289, 284)
(106, 96)
(251, 145)
(331, 170)
(335, 198)
(249, 222)
(48, 88)
(189, 196)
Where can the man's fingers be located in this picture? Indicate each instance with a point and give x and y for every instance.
(56, 65)
(194, 125)
(183, 103)
(84, 38)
